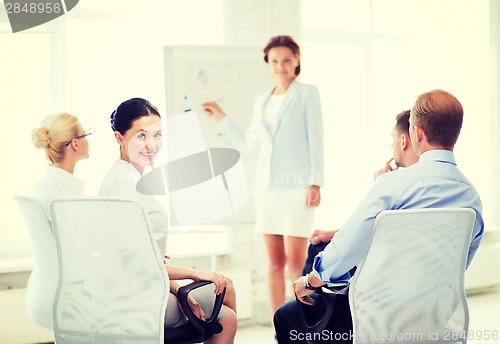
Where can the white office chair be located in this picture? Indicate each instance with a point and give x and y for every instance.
(410, 287)
(113, 286)
(42, 282)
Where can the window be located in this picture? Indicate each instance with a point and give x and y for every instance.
(369, 70)
(85, 63)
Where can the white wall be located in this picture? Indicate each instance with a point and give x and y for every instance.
(86, 62)
(370, 59)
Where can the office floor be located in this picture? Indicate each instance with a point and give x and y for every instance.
(484, 310)
(484, 313)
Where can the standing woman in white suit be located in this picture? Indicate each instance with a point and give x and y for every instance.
(287, 125)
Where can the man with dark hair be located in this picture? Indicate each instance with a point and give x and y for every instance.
(433, 182)
(403, 155)
(402, 150)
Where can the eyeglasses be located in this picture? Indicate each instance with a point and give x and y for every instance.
(77, 137)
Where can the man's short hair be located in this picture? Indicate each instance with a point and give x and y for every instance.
(440, 116)
(403, 122)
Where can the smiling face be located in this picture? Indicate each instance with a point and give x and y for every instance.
(142, 142)
(282, 63)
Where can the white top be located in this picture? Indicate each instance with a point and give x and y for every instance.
(121, 181)
(56, 183)
(271, 109)
(42, 284)
(293, 157)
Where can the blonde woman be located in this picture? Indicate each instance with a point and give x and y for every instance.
(64, 141)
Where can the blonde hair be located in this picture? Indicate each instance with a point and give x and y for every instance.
(53, 134)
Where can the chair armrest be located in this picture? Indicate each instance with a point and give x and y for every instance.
(209, 325)
(329, 294)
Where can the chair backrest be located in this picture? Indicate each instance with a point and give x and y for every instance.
(113, 286)
(410, 287)
(42, 282)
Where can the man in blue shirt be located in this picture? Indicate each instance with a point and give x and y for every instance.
(403, 155)
(433, 182)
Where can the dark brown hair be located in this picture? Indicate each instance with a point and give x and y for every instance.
(130, 110)
(403, 122)
(440, 116)
(283, 41)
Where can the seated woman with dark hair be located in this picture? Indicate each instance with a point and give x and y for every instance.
(137, 129)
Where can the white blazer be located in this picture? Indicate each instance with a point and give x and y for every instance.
(292, 157)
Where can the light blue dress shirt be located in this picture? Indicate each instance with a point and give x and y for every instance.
(433, 182)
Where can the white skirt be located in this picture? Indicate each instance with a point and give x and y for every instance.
(283, 212)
